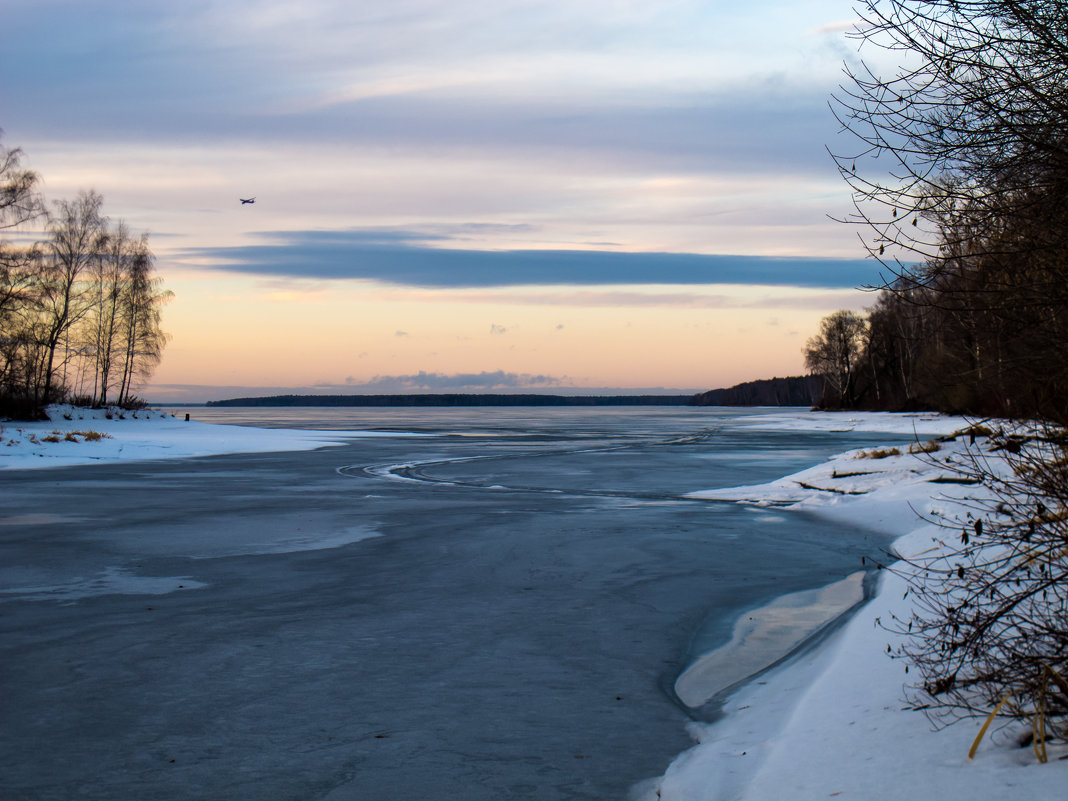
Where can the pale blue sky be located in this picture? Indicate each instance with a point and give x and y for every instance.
(626, 127)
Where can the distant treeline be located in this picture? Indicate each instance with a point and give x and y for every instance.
(459, 400)
(793, 391)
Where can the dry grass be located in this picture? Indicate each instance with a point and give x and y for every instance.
(878, 453)
(93, 436)
(931, 446)
(974, 432)
(70, 436)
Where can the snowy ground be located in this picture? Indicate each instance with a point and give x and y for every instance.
(70, 437)
(832, 722)
(828, 723)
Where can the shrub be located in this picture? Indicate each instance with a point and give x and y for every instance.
(990, 626)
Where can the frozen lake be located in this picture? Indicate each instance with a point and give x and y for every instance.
(497, 609)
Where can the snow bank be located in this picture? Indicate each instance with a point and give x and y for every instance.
(832, 723)
(917, 423)
(74, 436)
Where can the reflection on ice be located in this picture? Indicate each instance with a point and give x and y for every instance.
(765, 635)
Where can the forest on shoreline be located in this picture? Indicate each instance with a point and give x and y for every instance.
(959, 179)
(793, 391)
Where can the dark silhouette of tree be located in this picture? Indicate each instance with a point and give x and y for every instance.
(19, 200)
(77, 236)
(19, 203)
(142, 299)
(80, 312)
(835, 354)
(960, 186)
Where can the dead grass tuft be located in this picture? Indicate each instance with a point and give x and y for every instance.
(878, 453)
(925, 447)
(92, 436)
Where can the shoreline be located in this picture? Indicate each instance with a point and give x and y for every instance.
(143, 435)
(831, 720)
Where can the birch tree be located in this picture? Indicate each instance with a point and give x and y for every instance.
(76, 235)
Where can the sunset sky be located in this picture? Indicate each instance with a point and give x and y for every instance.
(620, 195)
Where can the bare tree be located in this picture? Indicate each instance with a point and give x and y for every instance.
(960, 182)
(19, 200)
(970, 128)
(835, 354)
(76, 230)
(109, 274)
(19, 299)
(141, 302)
(990, 630)
(898, 333)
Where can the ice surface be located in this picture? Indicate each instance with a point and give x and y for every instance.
(255, 542)
(18, 586)
(827, 723)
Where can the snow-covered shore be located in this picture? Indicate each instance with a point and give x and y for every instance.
(75, 436)
(828, 723)
(833, 722)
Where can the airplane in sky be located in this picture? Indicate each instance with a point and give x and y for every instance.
(246, 200)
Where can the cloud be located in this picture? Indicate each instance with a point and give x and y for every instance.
(459, 382)
(783, 297)
(400, 333)
(407, 258)
(840, 26)
(494, 381)
(627, 83)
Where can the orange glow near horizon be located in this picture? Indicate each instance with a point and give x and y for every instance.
(239, 331)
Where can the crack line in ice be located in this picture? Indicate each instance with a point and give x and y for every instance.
(413, 472)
